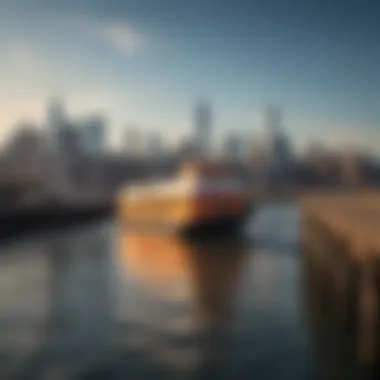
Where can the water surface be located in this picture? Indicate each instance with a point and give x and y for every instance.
(96, 302)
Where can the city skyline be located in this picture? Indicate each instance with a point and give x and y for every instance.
(146, 65)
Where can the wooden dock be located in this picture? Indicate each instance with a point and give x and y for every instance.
(340, 241)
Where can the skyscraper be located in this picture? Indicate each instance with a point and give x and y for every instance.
(278, 146)
(56, 112)
(202, 116)
(271, 119)
(133, 141)
(56, 121)
(64, 141)
(24, 152)
(94, 134)
(154, 145)
(232, 147)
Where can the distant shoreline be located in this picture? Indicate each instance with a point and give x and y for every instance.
(22, 220)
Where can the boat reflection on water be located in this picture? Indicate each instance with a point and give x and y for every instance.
(190, 291)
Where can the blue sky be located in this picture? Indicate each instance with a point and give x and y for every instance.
(146, 62)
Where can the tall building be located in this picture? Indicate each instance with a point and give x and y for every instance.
(258, 158)
(154, 145)
(56, 113)
(133, 142)
(94, 134)
(232, 147)
(271, 120)
(202, 126)
(71, 142)
(24, 164)
(66, 152)
(56, 121)
(24, 152)
(279, 153)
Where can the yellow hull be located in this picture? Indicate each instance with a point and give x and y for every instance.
(200, 195)
(181, 212)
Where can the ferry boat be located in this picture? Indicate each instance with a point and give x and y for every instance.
(203, 197)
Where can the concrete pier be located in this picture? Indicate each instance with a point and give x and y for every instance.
(341, 249)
